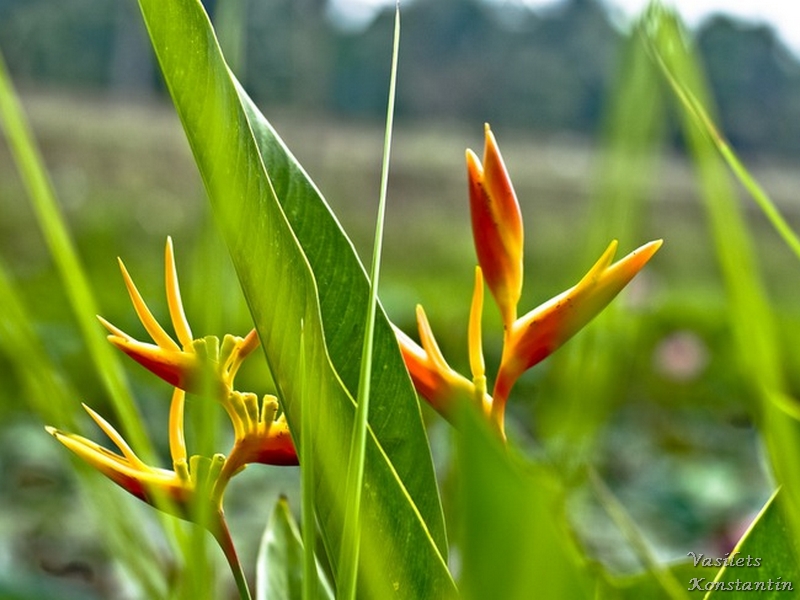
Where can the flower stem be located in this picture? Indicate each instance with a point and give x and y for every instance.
(223, 537)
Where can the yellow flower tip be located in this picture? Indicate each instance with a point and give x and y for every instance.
(620, 273)
(113, 330)
(474, 167)
(174, 302)
(476, 361)
(543, 330)
(249, 343)
(52, 431)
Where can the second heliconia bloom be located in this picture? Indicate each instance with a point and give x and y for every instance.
(527, 340)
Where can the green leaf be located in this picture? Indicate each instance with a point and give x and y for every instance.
(515, 541)
(764, 561)
(279, 570)
(296, 266)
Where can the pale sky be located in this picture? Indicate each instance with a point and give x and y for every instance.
(783, 15)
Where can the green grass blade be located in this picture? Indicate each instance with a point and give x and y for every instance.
(750, 315)
(308, 478)
(105, 362)
(49, 393)
(296, 266)
(42, 196)
(348, 565)
(705, 124)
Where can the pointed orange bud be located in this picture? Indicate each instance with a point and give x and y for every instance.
(539, 333)
(433, 378)
(496, 226)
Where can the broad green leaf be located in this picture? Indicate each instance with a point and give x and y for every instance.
(279, 570)
(515, 541)
(763, 563)
(296, 266)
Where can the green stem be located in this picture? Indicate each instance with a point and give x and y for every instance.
(351, 537)
(307, 474)
(225, 541)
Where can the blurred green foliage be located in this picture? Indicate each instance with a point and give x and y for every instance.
(557, 64)
(656, 381)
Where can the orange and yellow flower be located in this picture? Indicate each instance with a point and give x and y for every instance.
(527, 340)
(173, 490)
(202, 366)
(194, 365)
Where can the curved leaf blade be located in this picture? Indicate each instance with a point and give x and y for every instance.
(403, 531)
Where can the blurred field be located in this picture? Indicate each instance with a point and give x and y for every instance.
(678, 446)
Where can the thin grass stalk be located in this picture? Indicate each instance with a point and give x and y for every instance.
(750, 315)
(348, 564)
(42, 195)
(705, 123)
(307, 475)
(627, 526)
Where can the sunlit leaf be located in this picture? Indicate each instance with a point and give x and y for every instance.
(295, 265)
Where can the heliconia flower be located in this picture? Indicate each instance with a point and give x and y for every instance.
(433, 378)
(259, 437)
(496, 226)
(174, 490)
(193, 365)
(539, 333)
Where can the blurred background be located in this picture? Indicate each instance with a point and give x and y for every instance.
(663, 413)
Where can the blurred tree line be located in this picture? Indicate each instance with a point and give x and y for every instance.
(478, 60)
